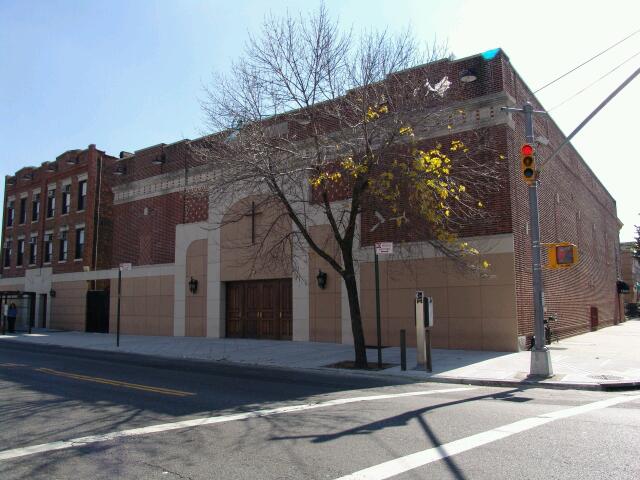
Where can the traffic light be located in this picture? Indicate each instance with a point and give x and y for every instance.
(528, 164)
(561, 255)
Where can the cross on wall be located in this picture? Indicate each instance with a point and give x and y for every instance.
(252, 213)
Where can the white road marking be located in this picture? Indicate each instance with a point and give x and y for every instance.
(198, 422)
(424, 457)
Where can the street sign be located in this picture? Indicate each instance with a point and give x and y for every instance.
(125, 266)
(384, 248)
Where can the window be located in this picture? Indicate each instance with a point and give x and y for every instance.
(20, 252)
(33, 249)
(51, 203)
(63, 246)
(7, 253)
(11, 211)
(35, 207)
(23, 210)
(82, 194)
(79, 243)
(48, 247)
(66, 199)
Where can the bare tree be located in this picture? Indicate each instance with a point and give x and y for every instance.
(326, 126)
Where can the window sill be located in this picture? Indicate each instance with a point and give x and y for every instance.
(64, 214)
(77, 259)
(46, 263)
(80, 211)
(32, 265)
(62, 261)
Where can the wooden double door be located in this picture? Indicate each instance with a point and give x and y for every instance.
(259, 309)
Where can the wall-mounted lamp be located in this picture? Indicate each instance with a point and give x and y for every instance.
(51, 167)
(322, 279)
(120, 170)
(193, 285)
(469, 75)
(52, 293)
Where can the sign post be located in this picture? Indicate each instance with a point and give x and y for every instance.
(381, 248)
(123, 266)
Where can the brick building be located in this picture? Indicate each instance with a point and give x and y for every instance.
(630, 270)
(57, 221)
(189, 278)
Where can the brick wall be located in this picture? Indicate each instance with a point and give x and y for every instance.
(144, 229)
(485, 145)
(68, 167)
(175, 157)
(574, 207)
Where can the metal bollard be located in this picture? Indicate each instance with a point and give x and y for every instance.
(403, 350)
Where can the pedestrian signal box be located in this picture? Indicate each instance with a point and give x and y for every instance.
(561, 255)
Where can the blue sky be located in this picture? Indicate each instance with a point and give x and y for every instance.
(128, 74)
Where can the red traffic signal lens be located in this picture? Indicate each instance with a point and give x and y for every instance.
(526, 149)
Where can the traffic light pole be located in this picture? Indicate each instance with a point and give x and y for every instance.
(540, 355)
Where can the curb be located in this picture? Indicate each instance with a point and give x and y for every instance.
(488, 382)
(409, 377)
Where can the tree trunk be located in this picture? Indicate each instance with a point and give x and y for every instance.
(356, 318)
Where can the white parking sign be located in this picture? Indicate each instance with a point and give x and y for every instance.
(384, 248)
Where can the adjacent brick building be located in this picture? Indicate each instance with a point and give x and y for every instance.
(189, 279)
(57, 220)
(630, 269)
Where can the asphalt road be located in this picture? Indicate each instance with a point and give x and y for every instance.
(68, 414)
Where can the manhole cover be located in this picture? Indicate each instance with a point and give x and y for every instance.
(606, 377)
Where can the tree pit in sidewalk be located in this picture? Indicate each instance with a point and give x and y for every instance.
(351, 365)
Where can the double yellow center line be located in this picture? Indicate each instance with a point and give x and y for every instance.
(116, 383)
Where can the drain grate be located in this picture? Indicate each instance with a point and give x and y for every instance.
(606, 377)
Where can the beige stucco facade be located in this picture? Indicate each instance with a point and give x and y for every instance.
(471, 311)
(325, 305)
(257, 255)
(146, 305)
(69, 306)
(196, 302)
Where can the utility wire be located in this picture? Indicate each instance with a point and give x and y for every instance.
(594, 82)
(590, 116)
(584, 63)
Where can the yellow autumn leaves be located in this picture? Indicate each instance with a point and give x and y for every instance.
(425, 177)
(373, 113)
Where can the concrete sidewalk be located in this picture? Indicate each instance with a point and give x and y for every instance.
(606, 359)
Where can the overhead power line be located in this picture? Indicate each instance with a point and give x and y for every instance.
(584, 63)
(590, 116)
(594, 82)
